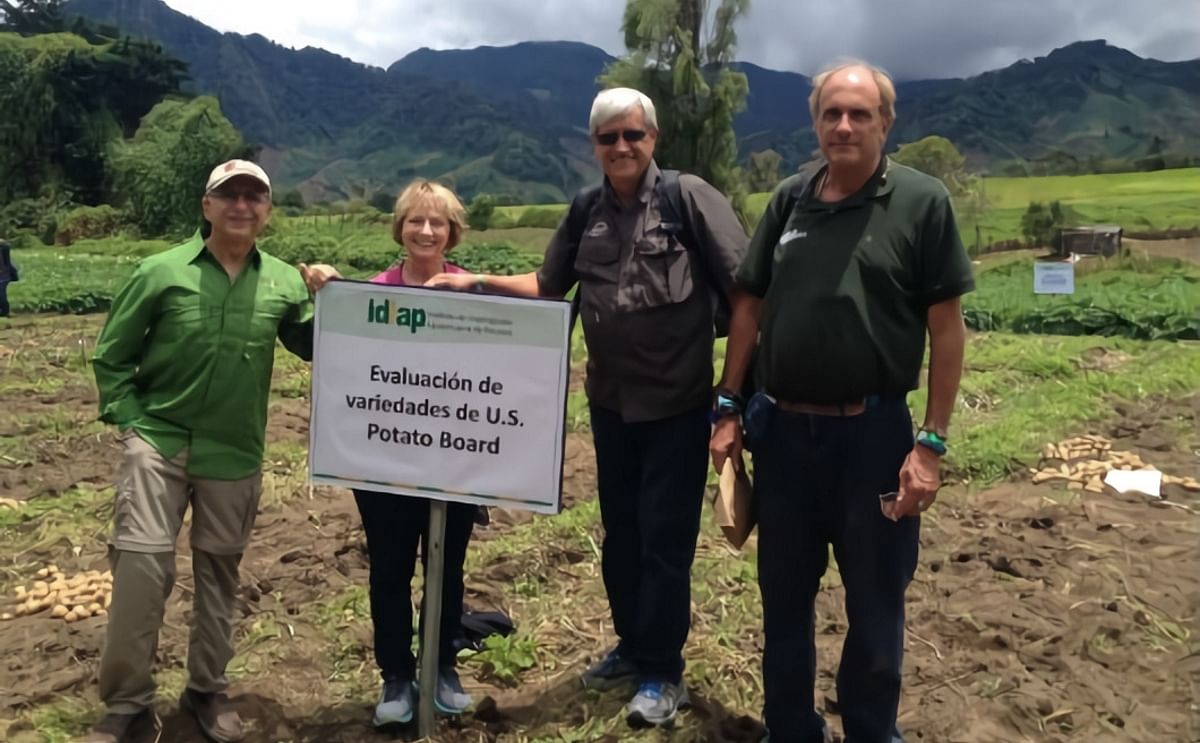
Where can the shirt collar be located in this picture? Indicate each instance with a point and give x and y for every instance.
(645, 189)
(878, 185)
(198, 248)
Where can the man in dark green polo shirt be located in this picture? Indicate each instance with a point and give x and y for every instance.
(183, 366)
(848, 272)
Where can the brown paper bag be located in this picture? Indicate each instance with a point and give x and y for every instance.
(733, 504)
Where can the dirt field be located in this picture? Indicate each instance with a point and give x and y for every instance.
(1186, 249)
(1038, 613)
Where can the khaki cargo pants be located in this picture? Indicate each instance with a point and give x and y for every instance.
(152, 495)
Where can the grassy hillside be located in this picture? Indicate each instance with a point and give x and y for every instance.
(1156, 200)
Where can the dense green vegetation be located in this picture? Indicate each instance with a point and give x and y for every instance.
(1127, 297)
(95, 121)
(1133, 299)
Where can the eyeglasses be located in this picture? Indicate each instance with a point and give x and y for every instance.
(608, 139)
(251, 197)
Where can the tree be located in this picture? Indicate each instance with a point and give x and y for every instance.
(65, 99)
(480, 211)
(383, 201)
(292, 198)
(686, 73)
(1040, 224)
(938, 157)
(764, 171)
(31, 17)
(161, 171)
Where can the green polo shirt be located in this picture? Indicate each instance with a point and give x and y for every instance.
(185, 356)
(846, 285)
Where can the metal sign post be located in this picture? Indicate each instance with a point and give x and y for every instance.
(431, 611)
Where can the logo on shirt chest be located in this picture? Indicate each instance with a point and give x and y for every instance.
(600, 229)
(792, 236)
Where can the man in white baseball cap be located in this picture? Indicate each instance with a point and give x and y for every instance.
(183, 367)
(233, 169)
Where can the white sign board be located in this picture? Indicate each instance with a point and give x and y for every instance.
(439, 394)
(1053, 278)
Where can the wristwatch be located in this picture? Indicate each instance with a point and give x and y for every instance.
(933, 441)
(725, 404)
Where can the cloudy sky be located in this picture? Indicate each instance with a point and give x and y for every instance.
(912, 38)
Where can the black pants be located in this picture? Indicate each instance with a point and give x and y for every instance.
(651, 482)
(817, 482)
(394, 525)
(4, 309)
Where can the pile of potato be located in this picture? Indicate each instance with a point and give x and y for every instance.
(1077, 448)
(68, 598)
(1084, 460)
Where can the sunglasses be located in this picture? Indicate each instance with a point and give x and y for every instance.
(251, 197)
(608, 139)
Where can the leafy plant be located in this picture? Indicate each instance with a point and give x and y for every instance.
(506, 658)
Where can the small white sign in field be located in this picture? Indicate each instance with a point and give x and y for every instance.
(1054, 278)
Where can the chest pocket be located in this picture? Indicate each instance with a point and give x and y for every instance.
(659, 272)
(598, 256)
(267, 316)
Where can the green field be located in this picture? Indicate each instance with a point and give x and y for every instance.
(1160, 200)
(1129, 298)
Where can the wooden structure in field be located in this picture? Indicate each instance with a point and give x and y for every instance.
(1097, 239)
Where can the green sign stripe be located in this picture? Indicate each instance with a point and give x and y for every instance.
(427, 489)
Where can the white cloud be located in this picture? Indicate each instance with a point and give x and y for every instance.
(913, 39)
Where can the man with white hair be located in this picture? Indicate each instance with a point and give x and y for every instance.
(847, 274)
(183, 366)
(653, 254)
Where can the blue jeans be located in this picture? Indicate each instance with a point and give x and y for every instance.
(817, 482)
(651, 485)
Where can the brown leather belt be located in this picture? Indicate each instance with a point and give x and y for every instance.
(840, 410)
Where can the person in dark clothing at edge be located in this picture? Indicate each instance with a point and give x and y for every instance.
(847, 273)
(8, 275)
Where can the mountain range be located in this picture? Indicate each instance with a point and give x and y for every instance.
(512, 120)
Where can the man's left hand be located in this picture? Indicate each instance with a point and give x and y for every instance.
(317, 275)
(919, 483)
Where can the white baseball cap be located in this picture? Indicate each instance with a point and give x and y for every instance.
(234, 168)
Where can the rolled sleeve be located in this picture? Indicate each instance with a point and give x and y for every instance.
(715, 225)
(119, 349)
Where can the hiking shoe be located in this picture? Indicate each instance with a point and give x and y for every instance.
(139, 727)
(613, 671)
(395, 705)
(214, 714)
(656, 703)
(450, 698)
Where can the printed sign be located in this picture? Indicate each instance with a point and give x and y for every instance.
(1053, 278)
(438, 394)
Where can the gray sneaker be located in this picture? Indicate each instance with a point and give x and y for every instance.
(395, 703)
(613, 671)
(656, 703)
(450, 698)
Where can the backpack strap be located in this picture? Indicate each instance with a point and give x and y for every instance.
(674, 216)
(577, 218)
